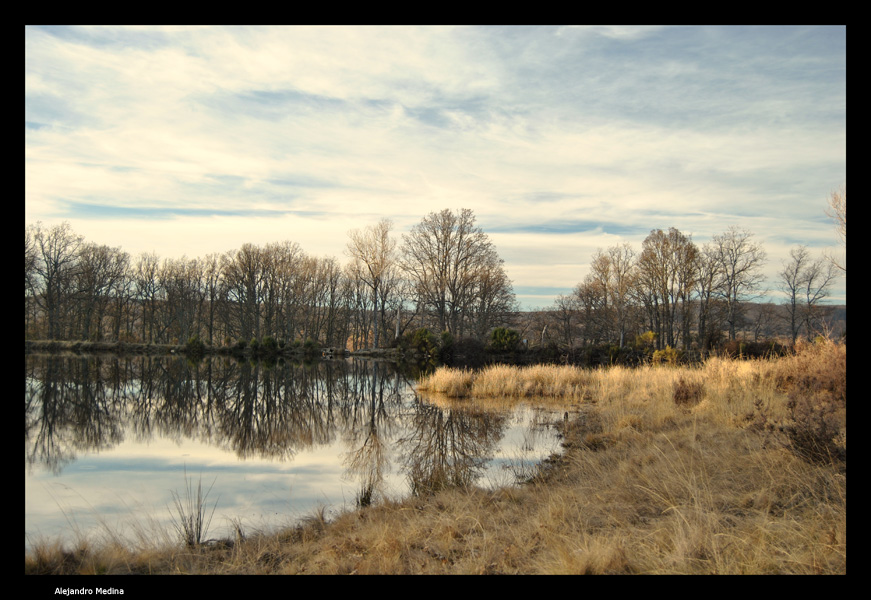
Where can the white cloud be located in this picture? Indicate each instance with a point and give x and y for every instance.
(617, 130)
(620, 32)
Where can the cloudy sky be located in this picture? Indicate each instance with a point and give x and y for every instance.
(562, 140)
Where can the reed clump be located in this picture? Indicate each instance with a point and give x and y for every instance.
(192, 517)
(506, 381)
(670, 469)
(455, 383)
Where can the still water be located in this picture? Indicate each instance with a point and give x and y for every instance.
(110, 443)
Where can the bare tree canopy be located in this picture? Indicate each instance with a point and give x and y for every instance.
(614, 274)
(838, 212)
(56, 251)
(805, 281)
(456, 271)
(741, 260)
(668, 267)
(373, 253)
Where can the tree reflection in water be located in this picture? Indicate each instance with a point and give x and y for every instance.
(369, 434)
(80, 405)
(448, 447)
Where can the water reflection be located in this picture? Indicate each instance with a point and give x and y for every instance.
(449, 447)
(283, 431)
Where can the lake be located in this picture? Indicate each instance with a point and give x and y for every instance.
(111, 442)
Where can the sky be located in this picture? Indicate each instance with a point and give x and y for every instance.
(563, 140)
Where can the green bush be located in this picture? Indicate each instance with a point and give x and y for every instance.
(469, 351)
(270, 346)
(310, 347)
(446, 346)
(421, 341)
(503, 339)
(447, 340)
(195, 346)
(425, 342)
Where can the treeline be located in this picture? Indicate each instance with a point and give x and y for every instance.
(446, 276)
(675, 294)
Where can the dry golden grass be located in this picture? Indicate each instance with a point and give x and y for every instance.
(505, 381)
(670, 470)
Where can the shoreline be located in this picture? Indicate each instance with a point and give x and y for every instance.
(129, 348)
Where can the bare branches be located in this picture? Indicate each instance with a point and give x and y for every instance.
(741, 260)
(805, 281)
(837, 211)
(456, 271)
(373, 253)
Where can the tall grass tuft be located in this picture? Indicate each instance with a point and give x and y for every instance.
(456, 383)
(504, 381)
(191, 518)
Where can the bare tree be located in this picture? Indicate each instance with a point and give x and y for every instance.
(148, 294)
(613, 273)
(360, 305)
(449, 259)
(668, 267)
(283, 263)
(373, 252)
(764, 320)
(591, 302)
(791, 284)
(212, 288)
(741, 261)
(182, 280)
(101, 271)
(244, 272)
(30, 279)
(428, 254)
(493, 297)
(337, 288)
(286, 286)
(57, 257)
(566, 313)
(709, 285)
(123, 303)
(838, 212)
(806, 282)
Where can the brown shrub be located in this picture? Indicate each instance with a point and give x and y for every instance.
(688, 393)
(815, 381)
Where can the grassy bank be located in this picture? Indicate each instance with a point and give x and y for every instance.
(727, 467)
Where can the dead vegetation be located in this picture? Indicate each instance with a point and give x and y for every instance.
(732, 467)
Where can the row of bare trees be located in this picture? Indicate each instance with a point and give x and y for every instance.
(446, 275)
(687, 295)
(76, 290)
